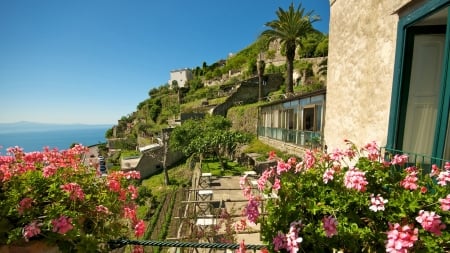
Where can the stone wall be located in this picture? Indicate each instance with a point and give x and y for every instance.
(247, 93)
(362, 41)
(285, 147)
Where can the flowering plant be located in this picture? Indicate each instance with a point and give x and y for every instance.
(52, 196)
(354, 201)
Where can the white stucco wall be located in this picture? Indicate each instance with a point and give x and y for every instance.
(181, 76)
(362, 41)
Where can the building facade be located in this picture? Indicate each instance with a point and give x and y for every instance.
(293, 124)
(388, 67)
(181, 77)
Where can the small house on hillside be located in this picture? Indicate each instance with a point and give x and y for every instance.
(388, 67)
(180, 77)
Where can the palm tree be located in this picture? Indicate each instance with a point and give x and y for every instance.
(291, 25)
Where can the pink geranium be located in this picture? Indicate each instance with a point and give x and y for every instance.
(410, 181)
(355, 179)
(430, 221)
(279, 241)
(377, 203)
(62, 225)
(252, 211)
(74, 191)
(401, 238)
(330, 226)
(139, 228)
(328, 175)
(373, 151)
(292, 237)
(445, 203)
(25, 204)
(36, 187)
(282, 167)
(242, 248)
(31, 230)
(399, 159)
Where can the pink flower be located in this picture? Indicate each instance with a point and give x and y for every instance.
(377, 203)
(252, 211)
(264, 177)
(373, 151)
(25, 204)
(134, 192)
(133, 174)
(241, 225)
(62, 225)
(445, 203)
(74, 190)
(337, 155)
(434, 170)
(102, 209)
(272, 155)
(330, 226)
(139, 228)
(243, 181)
(279, 241)
(309, 159)
(138, 249)
(410, 181)
(292, 239)
(430, 221)
(399, 159)
(31, 230)
(447, 166)
(49, 170)
(328, 175)
(130, 213)
(443, 178)
(355, 179)
(114, 185)
(282, 167)
(242, 248)
(276, 184)
(400, 239)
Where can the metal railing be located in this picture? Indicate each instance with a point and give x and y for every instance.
(422, 160)
(296, 137)
(195, 245)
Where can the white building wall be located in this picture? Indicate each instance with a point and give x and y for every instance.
(362, 41)
(181, 76)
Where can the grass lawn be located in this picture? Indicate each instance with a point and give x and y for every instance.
(212, 165)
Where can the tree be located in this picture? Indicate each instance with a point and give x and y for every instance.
(211, 135)
(261, 66)
(290, 27)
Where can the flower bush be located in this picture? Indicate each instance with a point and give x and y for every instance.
(352, 200)
(52, 196)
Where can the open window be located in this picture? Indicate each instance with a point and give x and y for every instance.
(419, 118)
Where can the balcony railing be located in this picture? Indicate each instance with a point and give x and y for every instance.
(421, 160)
(302, 138)
(191, 246)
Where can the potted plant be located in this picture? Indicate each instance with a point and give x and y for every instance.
(353, 200)
(53, 197)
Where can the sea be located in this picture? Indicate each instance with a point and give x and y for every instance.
(54, 138)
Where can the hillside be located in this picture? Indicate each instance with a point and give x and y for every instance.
(212, 85)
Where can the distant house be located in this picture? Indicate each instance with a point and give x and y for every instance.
(388, 75)
(180, 76)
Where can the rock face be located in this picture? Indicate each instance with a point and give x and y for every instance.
(247, 92)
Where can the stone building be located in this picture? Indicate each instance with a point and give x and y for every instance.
(181, 76)
(388, 67)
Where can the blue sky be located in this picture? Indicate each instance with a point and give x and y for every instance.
(94, 61)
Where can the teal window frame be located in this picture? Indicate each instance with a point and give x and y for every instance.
(401, 70)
